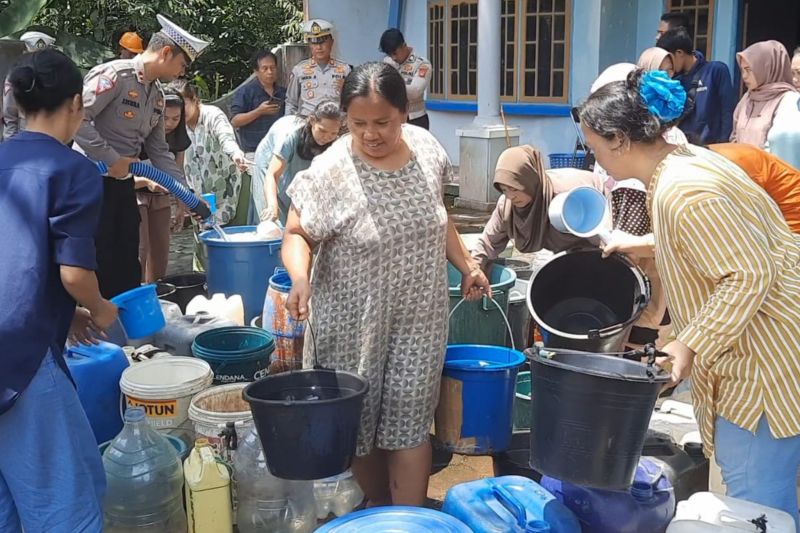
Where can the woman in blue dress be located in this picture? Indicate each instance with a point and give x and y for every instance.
(51, 476)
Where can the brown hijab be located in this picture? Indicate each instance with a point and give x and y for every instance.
(522, 167)
(772, 69)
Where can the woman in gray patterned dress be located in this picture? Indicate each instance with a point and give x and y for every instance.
(370, 208)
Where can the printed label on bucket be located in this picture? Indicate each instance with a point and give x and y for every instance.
(154, 410)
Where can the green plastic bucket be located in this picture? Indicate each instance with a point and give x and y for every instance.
(522, 402)
(235, 354)
(480, 322)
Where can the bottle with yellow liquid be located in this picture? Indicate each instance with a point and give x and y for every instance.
(208, 491)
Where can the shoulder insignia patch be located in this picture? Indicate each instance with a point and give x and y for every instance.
(104, 84)
(423, 71)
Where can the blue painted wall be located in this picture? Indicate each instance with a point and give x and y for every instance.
(647, 19)
(724, 40)
(358, 26)
(618, 27)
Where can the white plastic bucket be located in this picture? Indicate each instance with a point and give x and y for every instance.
(705, 511)
(583, 212)
(164, 387)
(212, 409)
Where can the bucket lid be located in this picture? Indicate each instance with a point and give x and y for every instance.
(166, 377)
(398, 519)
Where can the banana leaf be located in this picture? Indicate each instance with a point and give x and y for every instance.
(18, 15)
(84, 52)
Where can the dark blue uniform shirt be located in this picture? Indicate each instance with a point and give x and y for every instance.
(248, 97)
(50, 199)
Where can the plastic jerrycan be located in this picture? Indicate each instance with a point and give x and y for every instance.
(208, 491)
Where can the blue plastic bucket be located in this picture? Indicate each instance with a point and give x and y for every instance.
(580, 211)
(398, 519)
(242, 268)
(140, 311)
(474, 416)
(235, 354)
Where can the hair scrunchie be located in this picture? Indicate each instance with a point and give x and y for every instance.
(665, 98)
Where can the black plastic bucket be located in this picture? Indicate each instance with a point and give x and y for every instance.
(584, 302)
(589, 416)
(307, 421)
(164, 290)
(187, 286)
(515, 461)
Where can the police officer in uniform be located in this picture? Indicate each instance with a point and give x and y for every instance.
(415, 70)
(13, 121)
(319, 78)
(124, 113)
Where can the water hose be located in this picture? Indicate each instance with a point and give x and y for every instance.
(168, 182)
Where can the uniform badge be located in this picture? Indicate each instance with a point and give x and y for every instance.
(133, 94)
(309, 84)
(129, 114)
(104, 84)
(310, 95)
(423, 71)
(408, 67)
(340, 70)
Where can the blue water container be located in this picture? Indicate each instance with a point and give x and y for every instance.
(398, 519)
(474, 416)
(241, 267)
(96, 370)
(647, 507)
(509, 504)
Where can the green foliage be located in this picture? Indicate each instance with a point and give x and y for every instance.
(237, 28)
(15, 15)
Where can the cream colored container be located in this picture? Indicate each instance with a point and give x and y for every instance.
(208, 491)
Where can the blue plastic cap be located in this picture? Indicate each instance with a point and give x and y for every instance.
(642, 492)
(537, 526)
(134, 414)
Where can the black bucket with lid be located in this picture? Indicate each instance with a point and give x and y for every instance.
(307, 421)
(582, 301)
(589, 416)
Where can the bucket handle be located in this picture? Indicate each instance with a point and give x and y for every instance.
(730, 519)
(505, 318)
(511, 504)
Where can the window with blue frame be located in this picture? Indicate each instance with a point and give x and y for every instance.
(535, 41)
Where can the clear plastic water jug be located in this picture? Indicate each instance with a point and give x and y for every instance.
(267, 504)
(338, 495)
(145, 481)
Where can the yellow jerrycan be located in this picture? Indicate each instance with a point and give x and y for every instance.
(208, 491)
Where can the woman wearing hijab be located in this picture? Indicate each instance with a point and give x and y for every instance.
(771, 99)
(521, 212)
(656, 59)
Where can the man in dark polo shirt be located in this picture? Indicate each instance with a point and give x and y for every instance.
(258, 103)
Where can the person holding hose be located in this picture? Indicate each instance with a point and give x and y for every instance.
(51, 476)
(124, 108)
(371, 210)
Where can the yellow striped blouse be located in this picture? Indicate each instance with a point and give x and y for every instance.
(731, 270)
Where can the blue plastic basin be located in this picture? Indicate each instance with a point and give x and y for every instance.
(397, 519)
